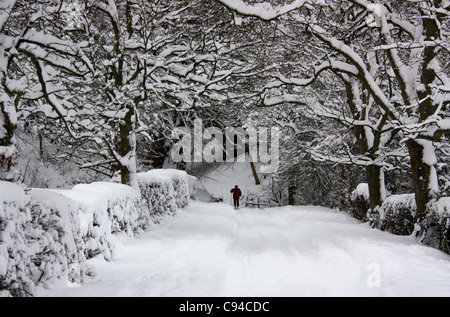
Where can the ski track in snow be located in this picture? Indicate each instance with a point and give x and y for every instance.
(212, 250)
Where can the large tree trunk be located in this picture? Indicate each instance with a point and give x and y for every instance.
(375, 176)
(424, 176)
(423, 159)
(375, 181)
(374, 173)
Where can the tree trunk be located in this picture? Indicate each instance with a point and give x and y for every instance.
(374, 173)
(423, 159)
(255, 174)
(291, 195)
(7, 144)
(424, 178)
(252, 165)
(375, 181)
(127, 150)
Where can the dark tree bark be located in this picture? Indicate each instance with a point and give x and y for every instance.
(422, 171)
(7, 157)
(374, 181)
(125, 144)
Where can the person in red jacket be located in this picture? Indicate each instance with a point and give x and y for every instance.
(236, 195)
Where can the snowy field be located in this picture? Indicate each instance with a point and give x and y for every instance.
(211, 250)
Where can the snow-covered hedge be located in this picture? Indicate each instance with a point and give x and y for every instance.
(60, 252)
(158, 192)
(181, 187)
(165, 190)
(434, 230)
(359, 202)
(104, 209)
(396, 215)
(15, 247)
(46, 235)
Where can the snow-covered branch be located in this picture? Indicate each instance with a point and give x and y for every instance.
(6, 7)
(263, 10)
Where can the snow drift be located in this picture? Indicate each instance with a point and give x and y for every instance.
(47, 235)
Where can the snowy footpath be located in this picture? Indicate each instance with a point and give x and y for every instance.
(211, 250)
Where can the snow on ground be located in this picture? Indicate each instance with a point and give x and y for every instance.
(211, 250)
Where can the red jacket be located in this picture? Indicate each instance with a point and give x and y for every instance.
(236, 193)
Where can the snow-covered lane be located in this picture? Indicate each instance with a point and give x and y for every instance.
(211, 250)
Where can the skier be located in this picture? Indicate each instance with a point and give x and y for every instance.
(236, 195)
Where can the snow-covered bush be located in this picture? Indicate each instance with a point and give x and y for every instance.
(56, 228)
(165, 190)
(46, 235)
(107, 208)
(15, 249)
(359, 202)
(434, 230)
(398, 214)
(158, 191)
(40, 240)
(180, 182)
